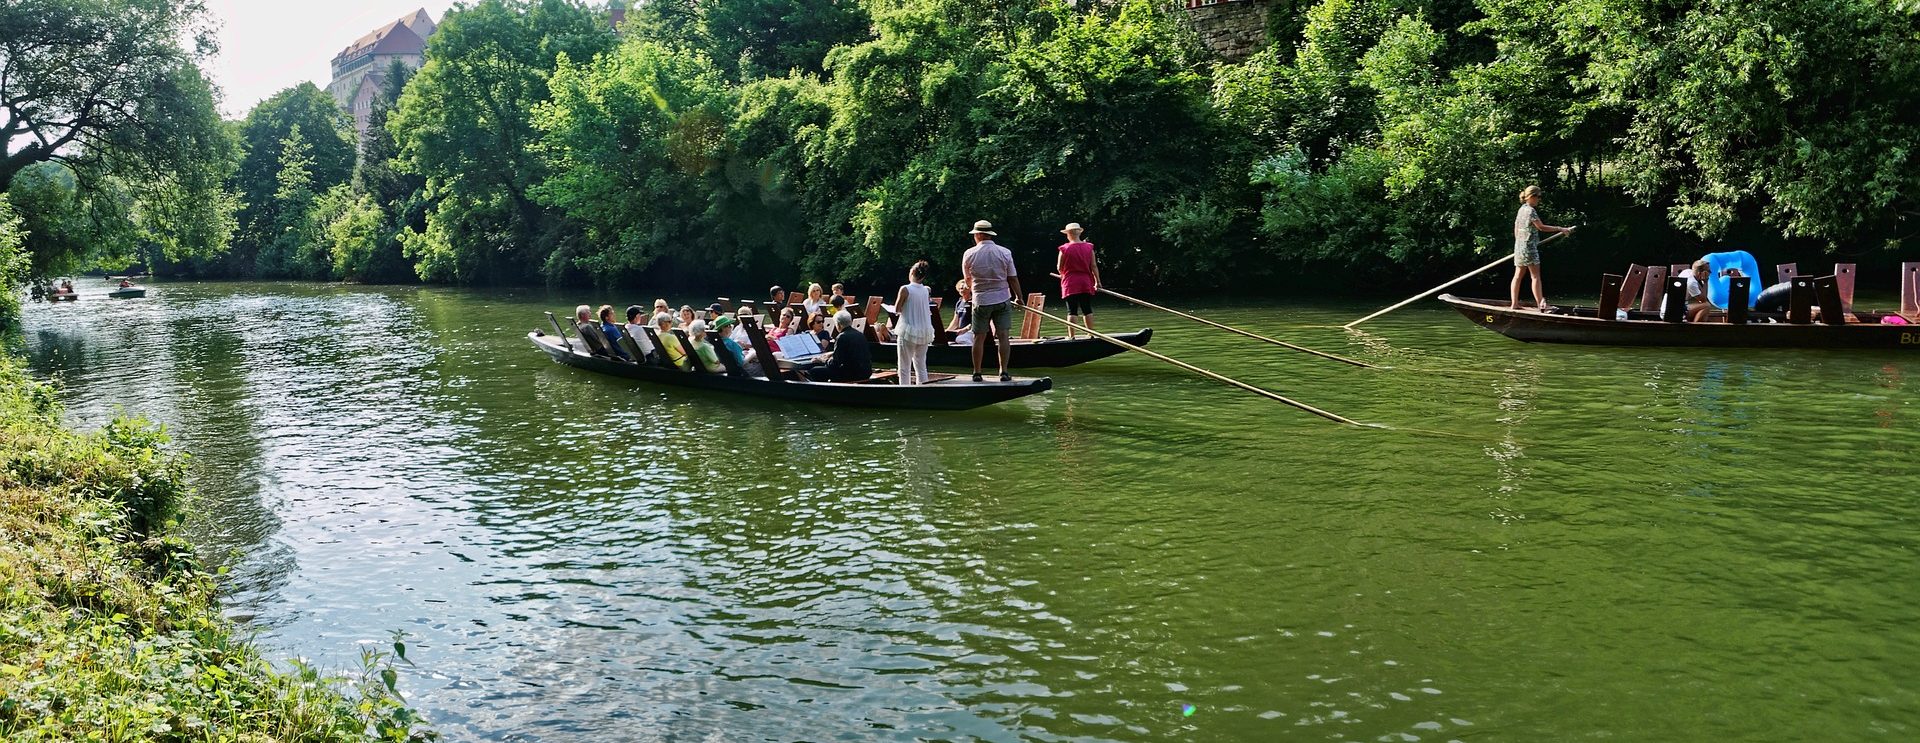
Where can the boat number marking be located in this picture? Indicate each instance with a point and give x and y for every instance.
(1910, 339)
(1490, 319)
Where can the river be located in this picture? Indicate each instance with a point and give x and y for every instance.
(1578, 543)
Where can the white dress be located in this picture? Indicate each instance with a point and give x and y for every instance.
(916, 317)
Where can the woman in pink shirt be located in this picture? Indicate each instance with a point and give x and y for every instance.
(1079, 278)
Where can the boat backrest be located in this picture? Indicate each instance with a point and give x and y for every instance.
(1843, 274)
(734, 369)
(763, 351)
(596, 340)
(1800, 301)
(560, 331)
(1674, 308)
(633, 349)
(876, 332)
(1609, 295)
(660, 353)
(1785, 272)
(1674, 269)
(1739, 298)
(1910, 289)
(1654, 290)
(1030, 323)
(1636, 277)
(940, 334)
(1826, 293)
(693, 357)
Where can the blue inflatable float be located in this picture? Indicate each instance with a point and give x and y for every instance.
(1718, 283)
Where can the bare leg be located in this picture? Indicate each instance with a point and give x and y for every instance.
(1006, 344)
(1539, 294)
(1072, 320)
(1087, 320)
(1519, 275)
(979, 350)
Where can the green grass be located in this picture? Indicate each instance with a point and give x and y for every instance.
(109, 630)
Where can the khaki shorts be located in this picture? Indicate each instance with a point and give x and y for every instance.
(999, 315)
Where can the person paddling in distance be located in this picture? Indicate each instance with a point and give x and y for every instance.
(915, 331)
(1079, 278)
(995, 282)
(1526, 247)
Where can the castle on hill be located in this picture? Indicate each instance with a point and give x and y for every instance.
(360, 70)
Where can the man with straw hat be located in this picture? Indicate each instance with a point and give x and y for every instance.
(1079, 278)
(990, 274)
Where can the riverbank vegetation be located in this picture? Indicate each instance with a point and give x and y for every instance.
(108, 628)
(741, 141)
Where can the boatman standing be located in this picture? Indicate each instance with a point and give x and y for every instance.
(1079, 278)
(1526, 247)
(989, 272)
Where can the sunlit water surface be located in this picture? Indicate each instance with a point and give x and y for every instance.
(1614, 543)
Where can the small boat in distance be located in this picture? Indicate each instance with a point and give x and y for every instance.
(128, 292)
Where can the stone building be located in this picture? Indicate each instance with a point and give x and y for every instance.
(1232, 29)
(361, 69)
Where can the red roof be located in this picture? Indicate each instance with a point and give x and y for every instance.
(408, 35)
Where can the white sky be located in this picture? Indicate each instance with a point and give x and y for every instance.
(269, 45)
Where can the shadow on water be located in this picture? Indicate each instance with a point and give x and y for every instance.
(1629, 543)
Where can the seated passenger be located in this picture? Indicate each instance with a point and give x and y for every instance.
(817, 325)
(962, 325)
(1697, 304)
(697, 335)
(687, 317)
(590, 333)
(784, 326)
(727, 327)
(636, 329)
(676, 355)
(612, 330)
(852, 360)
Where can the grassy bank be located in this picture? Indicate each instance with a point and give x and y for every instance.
(109, 631)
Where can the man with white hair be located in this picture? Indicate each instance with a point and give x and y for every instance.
(852, 360)
(991, 275)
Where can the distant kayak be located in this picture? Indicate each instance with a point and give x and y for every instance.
(131, 292)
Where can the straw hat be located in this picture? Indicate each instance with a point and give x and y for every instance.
(983, 227)
(1072, 228)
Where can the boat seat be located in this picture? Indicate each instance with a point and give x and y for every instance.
(693, 357)
(763, 350)
(889, 376)
(659, 353)
(595, 338)
(734, 369)
(1030, 321)
(632, 348)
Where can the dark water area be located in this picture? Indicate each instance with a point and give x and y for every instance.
(1605, 542)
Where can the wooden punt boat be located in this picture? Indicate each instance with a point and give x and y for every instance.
(1025, 353)
(64, 297)
(944, 394)
(1574, 324)
(131, 292)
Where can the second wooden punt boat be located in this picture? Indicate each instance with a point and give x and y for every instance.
(1573, 324)
(953, 393)
(130, 292)
(1035, 353)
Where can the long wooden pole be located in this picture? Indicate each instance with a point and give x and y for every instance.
(1231, 329)
(1221, 378)
(1436, 290)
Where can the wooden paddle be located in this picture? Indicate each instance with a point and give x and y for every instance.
(1436, 290)
(1231, 329)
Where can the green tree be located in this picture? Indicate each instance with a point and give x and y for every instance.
(755, 38)
(13, 267)
(465, 124)
(295, 249)
(634, 137)
(109, 94)
(397, 193)
(352, 231)
(324, 132)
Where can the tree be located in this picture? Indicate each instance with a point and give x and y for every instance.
(395, 192)
(13, 266)
(352, 231)
(324, 133)
(755, 38)
(106, 96)
(295, 249)
(465, 124)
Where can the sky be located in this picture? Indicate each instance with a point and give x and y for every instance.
(270, 45)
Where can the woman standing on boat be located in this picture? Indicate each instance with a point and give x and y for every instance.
(916, 325)
(1079, 278)
(1526, 247)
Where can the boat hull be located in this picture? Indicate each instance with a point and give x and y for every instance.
(951, 394)
(1538, 327)
(127, 293)
(1045, 353)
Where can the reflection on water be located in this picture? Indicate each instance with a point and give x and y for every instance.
(1628, 543)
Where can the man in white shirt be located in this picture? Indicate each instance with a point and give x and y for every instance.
(636, 329)
(991, 276)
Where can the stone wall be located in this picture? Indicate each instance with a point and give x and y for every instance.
(1232, 29)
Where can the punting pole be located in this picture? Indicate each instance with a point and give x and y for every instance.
(1231, 329)
(1436, 290)
(1221, 378)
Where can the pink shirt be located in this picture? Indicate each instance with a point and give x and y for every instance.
(1076, 268)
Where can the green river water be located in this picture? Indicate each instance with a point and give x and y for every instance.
(1670, 545)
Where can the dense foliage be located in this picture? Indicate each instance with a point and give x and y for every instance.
(109, 139)
(739, 142)
(109, 631)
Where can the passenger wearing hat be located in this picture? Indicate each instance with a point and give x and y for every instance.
(725, 327)
(994, 281)
(1079, 278)
(637, 330)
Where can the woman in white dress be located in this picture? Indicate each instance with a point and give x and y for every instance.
(915, 331)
